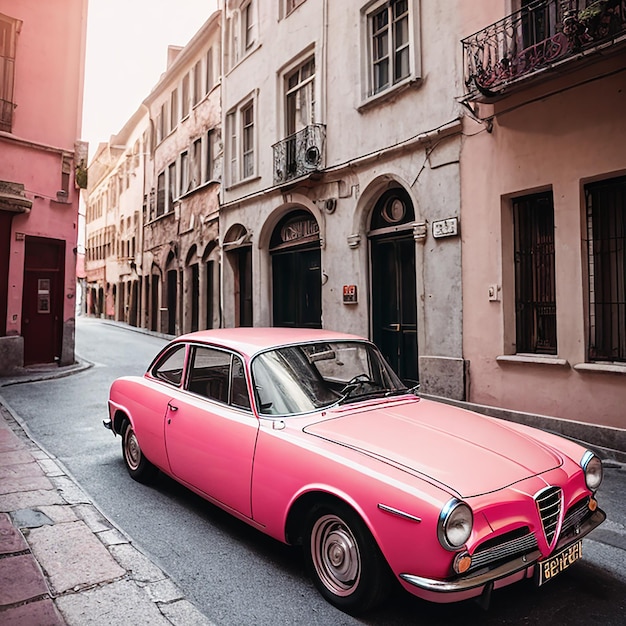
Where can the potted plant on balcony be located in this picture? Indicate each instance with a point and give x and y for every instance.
(599, 18)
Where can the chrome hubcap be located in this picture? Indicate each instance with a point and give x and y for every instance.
(335, 555)
(133, 452)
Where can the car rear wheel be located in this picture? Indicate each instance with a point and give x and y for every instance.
(136, 463)
(344, 560)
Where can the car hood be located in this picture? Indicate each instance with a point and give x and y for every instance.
(465, 452)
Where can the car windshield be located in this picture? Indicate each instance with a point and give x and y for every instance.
(309, 377)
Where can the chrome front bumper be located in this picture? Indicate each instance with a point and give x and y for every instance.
(510, 568)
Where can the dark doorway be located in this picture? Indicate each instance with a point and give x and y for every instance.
(297, 288)
(195, 295)
(154, 302)
(394, 294)
(172, 281)
(135, 290)
(42, 304)
(5, 254)
(243, 286)
(296, 272)
(210, 265)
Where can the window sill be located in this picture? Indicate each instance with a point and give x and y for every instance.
(388, 94)
(241, 183)
(533, 359)
(604, 368)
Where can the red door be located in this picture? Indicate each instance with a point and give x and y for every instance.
(42, 304)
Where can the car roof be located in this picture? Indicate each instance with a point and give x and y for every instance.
(249, 341)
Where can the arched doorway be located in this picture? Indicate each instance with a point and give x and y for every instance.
(192, 292)
(171, 293)
(393, 282)
(239, 255)
(296, 271)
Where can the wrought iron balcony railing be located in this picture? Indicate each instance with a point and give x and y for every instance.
(299, 154)
(541, 34)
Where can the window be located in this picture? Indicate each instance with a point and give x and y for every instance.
(231, 122)
(195, 164)
(300, 97)
(209, 151)
(389, 45)
(170, 367)
(9, 28)
(161, 123)
(171, 171)
(209, 71)
(173, 109)
(160, 208)
(197, 82)
(290, 5)
(184, 173)
(241, 140)
(535, 292)
(248, 25)
(606, 242)
(184, 107)
(241, 29)
(218, 375)
(247, 118)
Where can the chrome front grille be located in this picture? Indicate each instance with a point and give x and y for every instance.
(549, 506)
(575, 516)
(504, 550)
(522, 541)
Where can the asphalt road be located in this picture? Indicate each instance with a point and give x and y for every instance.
(236, 575)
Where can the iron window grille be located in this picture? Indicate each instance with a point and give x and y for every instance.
(606, 252)
(535, 293)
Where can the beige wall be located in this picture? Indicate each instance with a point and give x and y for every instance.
(565, 132)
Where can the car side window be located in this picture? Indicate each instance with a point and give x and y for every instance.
(209, 373)
(218, 375)
(239, 389)
(170, 367)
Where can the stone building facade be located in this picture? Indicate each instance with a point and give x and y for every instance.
(342, 141)
(432, 175)
(153, 250)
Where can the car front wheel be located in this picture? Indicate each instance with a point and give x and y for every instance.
(344, 560)
(136, 463)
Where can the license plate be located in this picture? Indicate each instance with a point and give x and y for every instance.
(549, 568)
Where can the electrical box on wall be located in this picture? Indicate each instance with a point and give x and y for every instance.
(493, 292)
(349, 294)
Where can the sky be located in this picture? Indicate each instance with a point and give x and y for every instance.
(126, 54)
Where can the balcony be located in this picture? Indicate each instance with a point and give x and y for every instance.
(300, 154)
(543, 35)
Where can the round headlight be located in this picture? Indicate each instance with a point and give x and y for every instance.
(592, 466)
(455, 524)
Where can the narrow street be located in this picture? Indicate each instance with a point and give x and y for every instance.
(236, 575)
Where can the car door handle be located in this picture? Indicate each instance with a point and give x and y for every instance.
(171, 407)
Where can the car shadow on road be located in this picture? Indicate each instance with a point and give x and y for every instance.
(581, 595)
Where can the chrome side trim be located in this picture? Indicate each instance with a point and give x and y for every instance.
(518, 564)
(402, 514)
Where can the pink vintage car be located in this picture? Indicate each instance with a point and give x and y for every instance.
(309, 436)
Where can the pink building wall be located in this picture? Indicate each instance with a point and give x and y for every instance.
(559, 134)
(47, 97)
